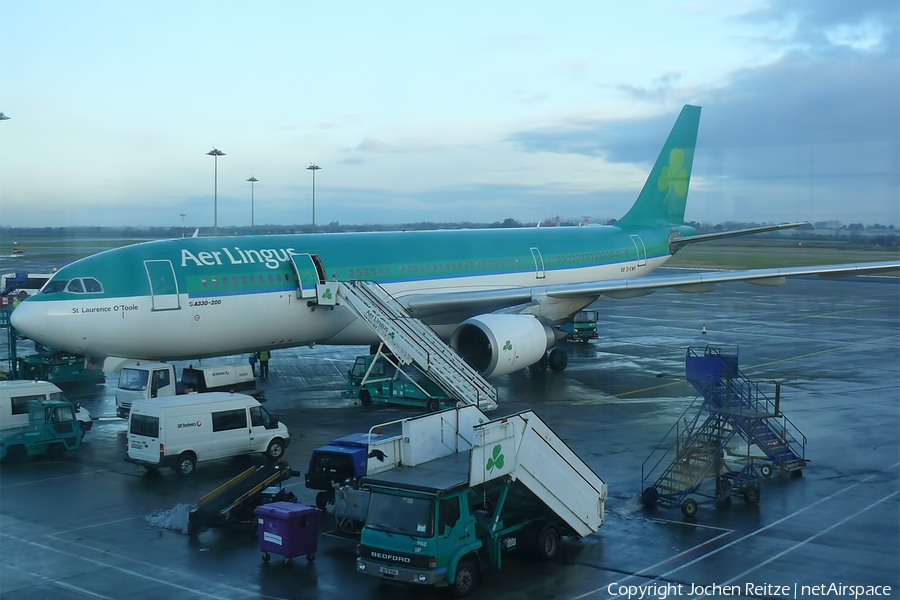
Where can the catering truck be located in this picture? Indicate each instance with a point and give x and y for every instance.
(142, 380)
(454, 493)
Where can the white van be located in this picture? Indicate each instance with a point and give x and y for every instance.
(180, 431)
(16, 394)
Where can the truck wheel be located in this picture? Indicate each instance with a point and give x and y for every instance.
(275, 449)
(766, 470)
(365, 397)
(16, 454)
(466, 578)
(548, 542)
(433, 405)
(83, 430)
(186, 464)
(322, 500)
(56, 451)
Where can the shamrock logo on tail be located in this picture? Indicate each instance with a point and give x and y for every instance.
(496, 460)
(675, 176)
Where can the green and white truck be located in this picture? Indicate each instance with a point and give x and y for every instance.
(455, 492)
(379, 378)
(582, 327)
(52, 429)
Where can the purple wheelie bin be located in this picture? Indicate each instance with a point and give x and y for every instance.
(288, 529)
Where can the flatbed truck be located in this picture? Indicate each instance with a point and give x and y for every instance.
(455, 493)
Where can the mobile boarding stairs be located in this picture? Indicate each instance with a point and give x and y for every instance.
(731, 409)
(408, 339)
(518, 447)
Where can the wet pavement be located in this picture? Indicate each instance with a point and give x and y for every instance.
(78, 527)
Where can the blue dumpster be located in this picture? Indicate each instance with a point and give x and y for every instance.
(288, 529)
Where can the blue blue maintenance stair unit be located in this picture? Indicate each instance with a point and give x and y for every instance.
(731, 411)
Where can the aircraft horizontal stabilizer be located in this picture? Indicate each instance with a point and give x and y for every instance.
(675, 243)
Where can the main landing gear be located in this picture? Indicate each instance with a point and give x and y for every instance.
(557, 359)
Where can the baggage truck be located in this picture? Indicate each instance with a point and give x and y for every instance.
(142, 380)
(455, 493)
(340, 461)
(51, 429)
(16, 394)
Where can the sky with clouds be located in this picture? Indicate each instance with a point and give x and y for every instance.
(444, 111)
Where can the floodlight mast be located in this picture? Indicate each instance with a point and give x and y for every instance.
(313, 167)
(215, 152)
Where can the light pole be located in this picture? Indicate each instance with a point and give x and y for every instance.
(183, 215)
(252, 180)
(216, 153)
(313, 167)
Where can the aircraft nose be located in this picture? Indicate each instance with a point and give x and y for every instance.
(31, 320)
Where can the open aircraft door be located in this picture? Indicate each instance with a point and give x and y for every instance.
(163, 285)
(306, 273)
(538, 263)
(641, 250)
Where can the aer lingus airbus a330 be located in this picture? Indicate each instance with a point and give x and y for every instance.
(211, 296)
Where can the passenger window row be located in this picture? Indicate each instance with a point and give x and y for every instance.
(435, 267)
(572, 258)
(236, 283)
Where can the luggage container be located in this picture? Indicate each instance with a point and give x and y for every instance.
(288, 529)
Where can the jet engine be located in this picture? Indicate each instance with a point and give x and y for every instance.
(495, 345)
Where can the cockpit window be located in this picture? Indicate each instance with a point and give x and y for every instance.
(92, 286)
(86, 285)
(55, 285)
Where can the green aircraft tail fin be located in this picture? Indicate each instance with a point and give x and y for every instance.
(664, 196)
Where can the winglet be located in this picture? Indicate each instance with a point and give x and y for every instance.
(664, 196)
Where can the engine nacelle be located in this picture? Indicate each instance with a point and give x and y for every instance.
(495, 345)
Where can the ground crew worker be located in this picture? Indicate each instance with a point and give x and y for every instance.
(264, 357)
(253, 359)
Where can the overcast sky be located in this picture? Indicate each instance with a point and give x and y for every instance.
(475, 111)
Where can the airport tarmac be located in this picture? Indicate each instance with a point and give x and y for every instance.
(78, 528)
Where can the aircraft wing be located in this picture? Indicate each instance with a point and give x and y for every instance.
(487, 301)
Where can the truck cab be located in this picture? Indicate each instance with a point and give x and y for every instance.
(582, 327)
(52, 429)
(145, 380)
(17, 395)
(422, 536)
